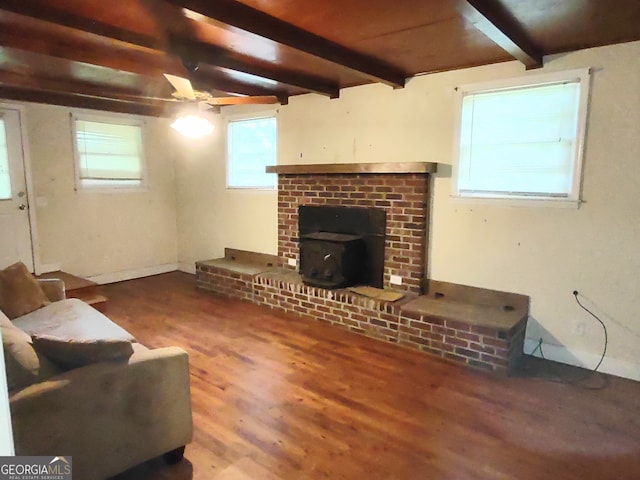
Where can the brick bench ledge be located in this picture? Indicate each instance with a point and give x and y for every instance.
(233, 274)
(476, 327)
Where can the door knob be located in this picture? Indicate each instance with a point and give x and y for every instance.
(22, 206)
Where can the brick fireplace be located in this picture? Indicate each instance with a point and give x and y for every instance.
(467, 325)
(403, 196)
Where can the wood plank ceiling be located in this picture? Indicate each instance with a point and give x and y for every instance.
(112, 55)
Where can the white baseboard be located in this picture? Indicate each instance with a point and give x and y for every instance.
(48, 267)
(131, 274)
(187, 267)
(578, 358)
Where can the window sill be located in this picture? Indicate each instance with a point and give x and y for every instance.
(252, 189)
(86, 190)
(517, 202)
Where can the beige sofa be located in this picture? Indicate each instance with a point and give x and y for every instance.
(109, 414)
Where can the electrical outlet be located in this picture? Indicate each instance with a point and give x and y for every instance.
(579, 329)
(292, 262)
(395, 280)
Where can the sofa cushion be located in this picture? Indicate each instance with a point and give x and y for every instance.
(23, 365)
(20, 292)
(72, 319)
(72, 353)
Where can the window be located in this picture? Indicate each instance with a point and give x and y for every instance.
(109, 153)
(5, 179)
(522, 138)
(251, 146)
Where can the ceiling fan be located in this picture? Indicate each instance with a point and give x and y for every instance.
(192, 123)
(184, 91)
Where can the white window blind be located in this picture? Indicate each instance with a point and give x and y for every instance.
(5, 179)
(521, 142)
(109, 154)
(252, 146)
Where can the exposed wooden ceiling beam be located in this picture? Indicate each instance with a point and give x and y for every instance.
(50, 14)
(196, 51)
(243, 100)
(13, 79)
(243, 17)
(83, 101)
(232, 87)
(151, 64)
(82, 89)
(496, 23)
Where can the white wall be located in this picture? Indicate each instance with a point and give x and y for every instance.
(543, 252)
(212, 217)
(107, 235)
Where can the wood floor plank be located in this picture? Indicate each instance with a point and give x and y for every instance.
(279, 398)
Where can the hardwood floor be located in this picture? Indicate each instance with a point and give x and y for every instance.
(279, 398)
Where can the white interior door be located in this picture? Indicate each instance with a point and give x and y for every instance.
(15, 229)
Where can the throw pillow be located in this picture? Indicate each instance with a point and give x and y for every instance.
(22, 363)
(20, 292)
(72, 353)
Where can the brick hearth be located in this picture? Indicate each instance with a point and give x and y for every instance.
(482, 335)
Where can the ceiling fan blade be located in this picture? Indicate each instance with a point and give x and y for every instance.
(254, 100)
(182, 86)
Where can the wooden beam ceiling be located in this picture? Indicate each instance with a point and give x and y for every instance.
(243, 17)
(496, 23)
(172, 44)
(83, 101)
(90, 54)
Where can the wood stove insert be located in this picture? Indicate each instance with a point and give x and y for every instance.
(341, 246)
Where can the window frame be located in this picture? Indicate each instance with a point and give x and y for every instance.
(4, 138)
(116, 119)
(582, 76)
(257, 115)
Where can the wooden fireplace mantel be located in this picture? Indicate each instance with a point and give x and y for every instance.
(337, 168)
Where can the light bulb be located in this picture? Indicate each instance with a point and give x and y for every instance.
(193, 126)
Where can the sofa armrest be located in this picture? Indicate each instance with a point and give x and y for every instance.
(53, 288)
(108, 416)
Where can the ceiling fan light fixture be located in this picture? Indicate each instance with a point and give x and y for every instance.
(193, 126)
